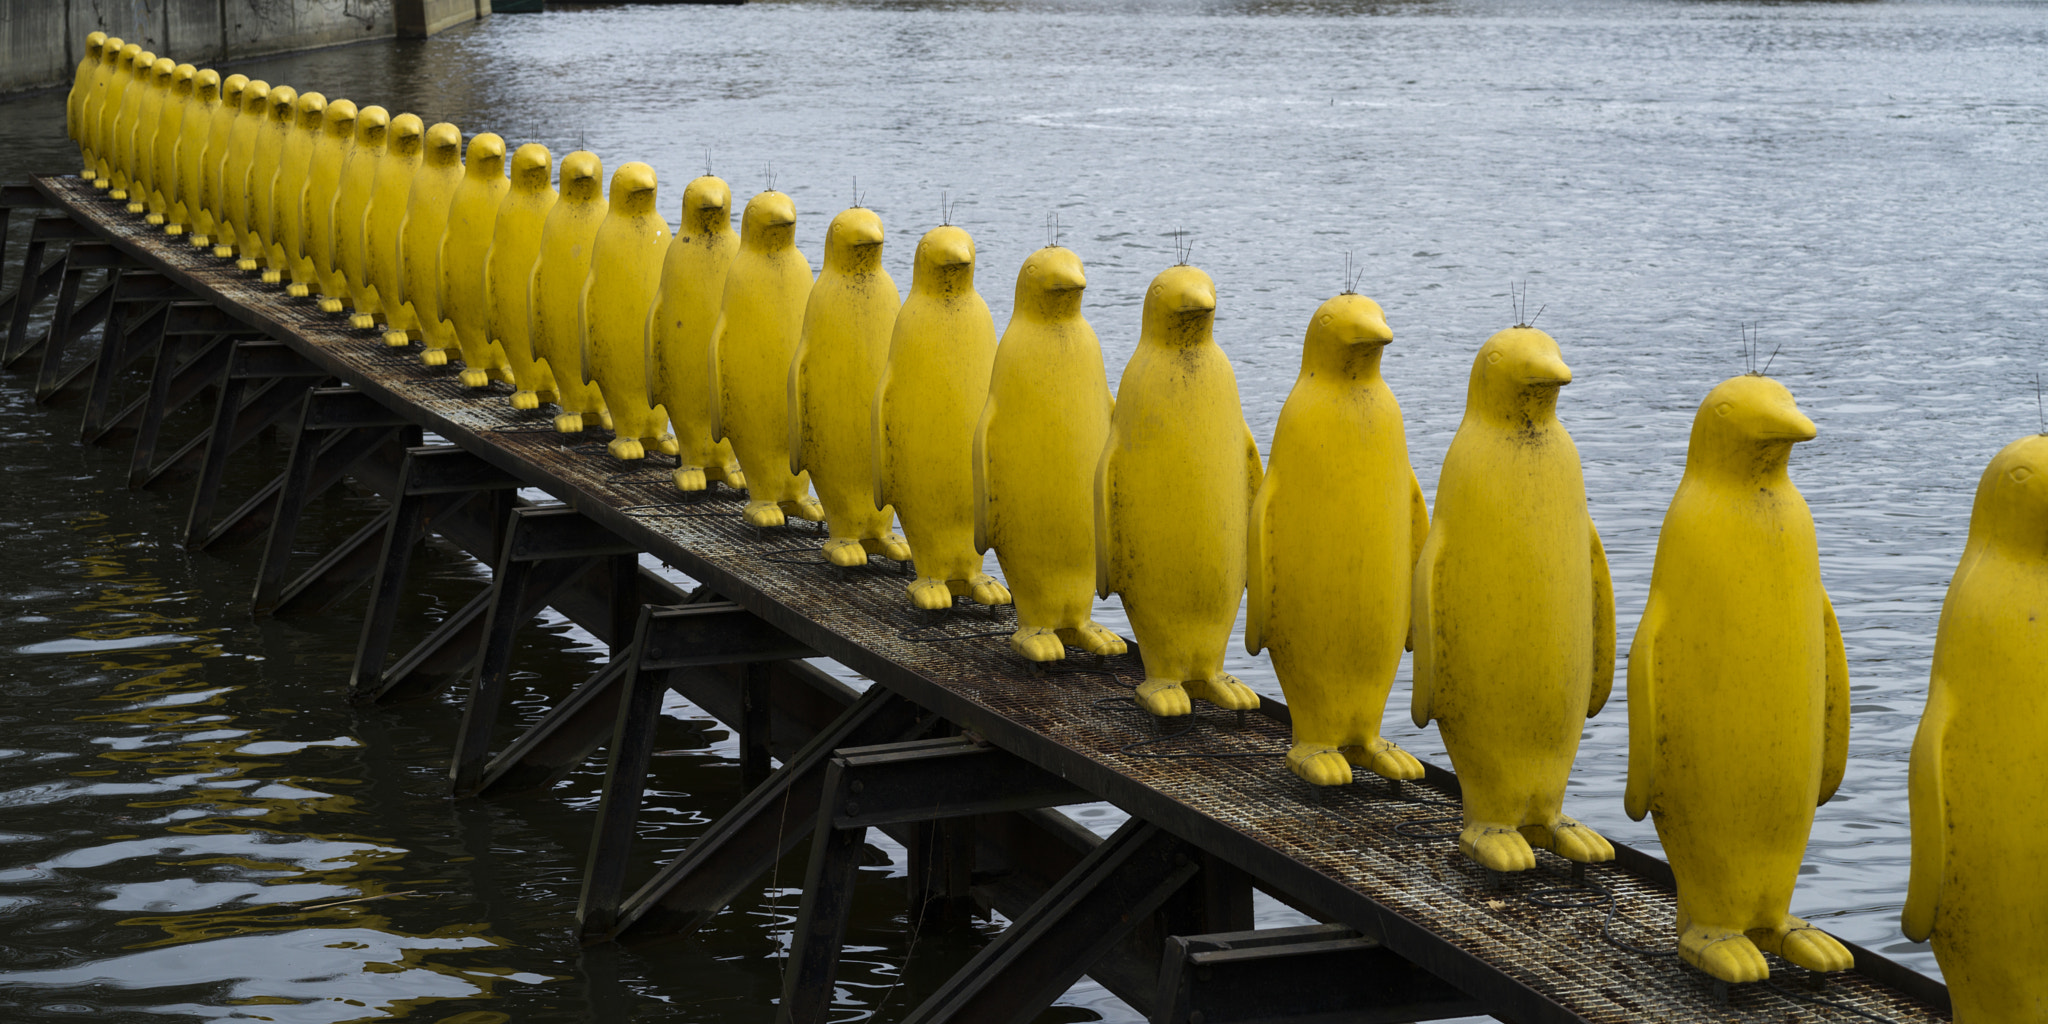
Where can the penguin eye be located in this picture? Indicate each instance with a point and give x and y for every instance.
(1325, 319)
(1492, 358)
(1158, 289)
(1722, 409)
(2020, 474)
(1031, 268)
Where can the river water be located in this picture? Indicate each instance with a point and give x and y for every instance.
(185, 801)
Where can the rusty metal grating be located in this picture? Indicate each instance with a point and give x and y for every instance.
(1248, 809)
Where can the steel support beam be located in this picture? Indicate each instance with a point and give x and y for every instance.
(1314, 974)
(335, 422)
(283, 377)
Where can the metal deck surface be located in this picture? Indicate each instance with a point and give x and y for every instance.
(1346, 855)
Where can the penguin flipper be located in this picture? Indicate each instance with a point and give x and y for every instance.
(983, 535)
(533, 317)
(717, 380)
(1928, 813)
(880, 463)
(1603, 625)
(583, 333)
(647, 335)
(1422, 613)
(1835, 754)
(1258, 574)
(1418, 534)
(1255, 475)
(796, 405)
(1642, 710)
(1105, 478)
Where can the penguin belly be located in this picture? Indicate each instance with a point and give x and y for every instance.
(515, 245)
(1338, 541)
(755, 347)
(692, 282)
(426, 221)
(847, 323)
(932, 394)
(323, 194)
(472, 218)
(625, 271)
(557, 325)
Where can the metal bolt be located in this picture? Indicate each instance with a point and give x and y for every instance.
(852, 808)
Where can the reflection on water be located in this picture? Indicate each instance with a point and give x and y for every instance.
(193, 824)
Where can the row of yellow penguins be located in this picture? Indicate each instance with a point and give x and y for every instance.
(1737, 677)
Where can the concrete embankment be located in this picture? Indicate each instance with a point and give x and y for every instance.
(41, 41)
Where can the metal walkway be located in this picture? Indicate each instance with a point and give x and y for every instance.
(958, 750)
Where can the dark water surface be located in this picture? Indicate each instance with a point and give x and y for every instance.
(194, 825)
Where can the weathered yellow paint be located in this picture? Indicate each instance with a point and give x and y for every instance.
(162, 172)
(74, 101)
(278, 125)
(1173, 495)
(112, 121)
(556, 329)
(1334, 534)
(294, 186)
(625, 276)
(760, 319)
(352, 216)
(1035, 448)
(383, 242)
(933, 389)
(832, 379)
(679, 334)
(508, 272)
(100, 107)
(237, 173)
(189, 208)
(127, 128)
(426, 223)
(465, 248)
(323, 191)
(213, 166)
(1738, 689)
(1980, 770)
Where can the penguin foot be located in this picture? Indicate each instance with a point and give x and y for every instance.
(434, 357)
(731, 476)
(1382, 758)
(569, 423)
(525, 401)
(246, 264)
(1224, 691)
(691, 479)
(223, 252)
(668, 445)
(1570, 840)
(134, 207)
(396, 339)
(363, 322)
(153, 220)
(629, 449)
(1723, 954)
(846, 552)
(174, 230)
(1037, 644)
(984, 589)
(1805, 945)
(198, 241)
(1496, 847)
(298, 291)
(805, 508)
(763, 514)
(116, 193)
(604, 418)
(1319, 764)
(101, 184)
(330, 304)
(891, 546)
(1164, 698)
(272, 276)
(1094, 638)
(930, 594)
(475, 378)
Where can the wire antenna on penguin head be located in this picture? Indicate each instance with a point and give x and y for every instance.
(1052, 229)
(1348, 283)
(1748, 353)
(1518, 299)
(707, 161)
(858, 195)
(2039, 411)
(1766, 371)
(768, 172)
(1183, 247)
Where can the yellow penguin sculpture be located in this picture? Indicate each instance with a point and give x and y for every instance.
(97, 86)
(384, 226)
(1979, 766)
(934, 387)
(832, 379)
(164, 208)
(213, 171)
(238, 174)
(465, 246)
(113, 111)
(352, 216)
(1513, 609)
(760, 319)
(508, 272)
(1035, 449)
(1738, 689)
(426, 222)
(278, 125)
(679, 334)
(156, 83)
(127, 128)
(74, 101)
(1335, 531)
(556, 326)
(1173, 495)
(323, 192)
(625, 275)
(294, 184)
(101, 104)
(196, 130)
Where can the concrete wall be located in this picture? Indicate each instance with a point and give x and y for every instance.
(42, 41)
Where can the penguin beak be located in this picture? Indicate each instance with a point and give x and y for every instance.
(1548, 372)
(950, 252)
(1199, 299)
(1064, 279)
(863, 235)
(1372, 330)
(1792, 426)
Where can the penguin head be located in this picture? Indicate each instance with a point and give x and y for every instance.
(442, 145)
(769, 222)
(161, 73)
(2012, 498)
(282, 99)
(582, 177)
(707, 206)
(945, 261)
(1050, 282)
(372, 124)
(94, 42)
(206, 84)
(531, 168)
(633, 187)
(1747, 425)
(1349, 329)
(486, 157)
(404, 137)
(124, 58)
(1516, 375)
(256, 97)
(311, 110)
(145, 65)
(181, 79)
(1180, 307)
(231, 89)
(853, 241)
(113, 52)
(341, 120)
